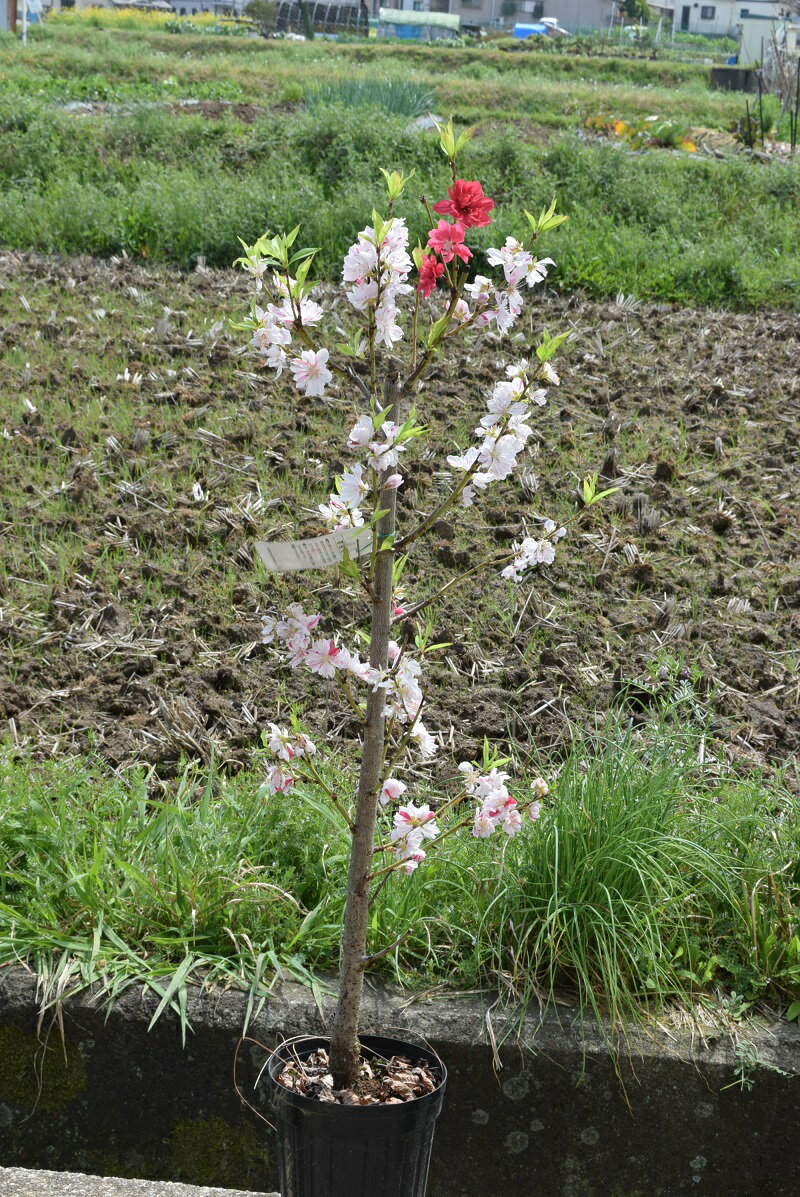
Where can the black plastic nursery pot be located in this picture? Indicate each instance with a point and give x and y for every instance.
(329, 1150)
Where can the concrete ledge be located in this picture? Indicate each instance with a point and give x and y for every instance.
(677, 1112)
(21, 1182)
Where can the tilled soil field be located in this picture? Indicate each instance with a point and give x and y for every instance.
(144, 450)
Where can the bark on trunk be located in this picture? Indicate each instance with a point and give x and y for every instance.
(345, 1048)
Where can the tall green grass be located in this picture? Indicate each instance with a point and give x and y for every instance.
(646, 881)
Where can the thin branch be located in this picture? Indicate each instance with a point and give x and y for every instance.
(345, 688)
(437, 594)
(385, 951)
(314, 776)
(439, 511)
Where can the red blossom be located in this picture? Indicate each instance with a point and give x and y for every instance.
(430, 272)
(447, 240)
(467, 204)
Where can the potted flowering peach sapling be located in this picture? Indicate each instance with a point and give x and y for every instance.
(355, 1114)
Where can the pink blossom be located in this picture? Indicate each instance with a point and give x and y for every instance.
(391, 791)
(304, 745)
(361, 433)
(348, 662)
(296, 620)
(483, 826)
(297, 649)
(387, 329)
(279, 782)
(467, 203)
(499, 455)
(511, 821)
(311, 375)
(536, 271)
(464, 461)
(340, 515)
(322, 658)
(534, 552)
(413, 861)
(352, 487)
(481, 289)
(362, 294)
(447, 240)
(421, 817)
(361, 259)
(280, 742)
(430, 272)
(425, 742)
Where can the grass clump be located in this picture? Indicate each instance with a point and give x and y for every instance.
(104, 881)
(395, 97)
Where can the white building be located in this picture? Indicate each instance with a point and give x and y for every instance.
(721, 18)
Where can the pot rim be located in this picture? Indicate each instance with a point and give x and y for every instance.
(334, 1109)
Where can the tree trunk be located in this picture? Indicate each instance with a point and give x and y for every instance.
(345, 1048)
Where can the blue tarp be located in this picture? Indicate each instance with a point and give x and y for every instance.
(522, 31)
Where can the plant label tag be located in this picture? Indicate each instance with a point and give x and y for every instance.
(279, 556)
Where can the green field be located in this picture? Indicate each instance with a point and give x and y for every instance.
(282, 135)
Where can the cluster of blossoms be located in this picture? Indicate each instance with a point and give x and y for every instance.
(501, 305)
(532, 552)
(320, 656)
(328, 660)
(343, 509)
(496, 807)
(287, 747)
(377, 272)
(412, 825)
(404, 698)
(470, 209)
(504, 433)
(272, 334)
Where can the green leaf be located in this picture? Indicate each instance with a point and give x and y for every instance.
(793, 1013)
(463, 138)
(446, 138)
(307, 924)
(349, 567)
(395, 183)
(380, 226)
(548, 219)
(303, 268)
(175, 984)
(436, 329)
(550, 345)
